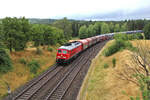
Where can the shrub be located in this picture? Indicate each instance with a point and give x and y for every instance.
(5, 61)
(34, 66)
(114, 62)
(135, 36)
(106, 65)
(121, 37)
(116, 46)
(38, 51)
(110, 50)
(140, 36)
(126, 37)
(50, 49)
(23, 61)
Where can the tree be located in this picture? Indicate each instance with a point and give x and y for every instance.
(111, 27)
(137, 70)
(75, 28)
(52, 35)
(5, 61)
(117, 28)
(139, 24)
(37, 32)
(58, 35)
(131, 25)
(97, 27)
(83, 32)
(46, 35)
(91, 30)
(15, 32)
(123, 27)
(1, 31)
(66, 26)
(25, 28)
(147, 31)
(104, 28)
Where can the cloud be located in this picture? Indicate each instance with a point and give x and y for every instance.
(78, 9)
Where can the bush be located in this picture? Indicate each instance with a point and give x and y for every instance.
(50, 49)
(135, 36)
(121, 37)
(116, 46)
(126, 37)
(140, 36)
(114, 62)
(23, 61)
(5, 61)
(34, 66)
(110, 50)
(106, 65)
(38, 51)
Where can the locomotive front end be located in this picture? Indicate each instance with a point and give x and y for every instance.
(62, 56)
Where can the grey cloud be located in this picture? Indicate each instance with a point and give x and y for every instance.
(118, 15)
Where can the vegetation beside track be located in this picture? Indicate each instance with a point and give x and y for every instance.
(103, 84)
(21, 72)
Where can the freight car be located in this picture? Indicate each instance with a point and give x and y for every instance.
(71, 50)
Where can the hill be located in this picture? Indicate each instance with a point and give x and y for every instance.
(41, 21)
(103, 83)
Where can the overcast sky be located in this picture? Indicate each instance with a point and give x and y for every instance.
(76, 9)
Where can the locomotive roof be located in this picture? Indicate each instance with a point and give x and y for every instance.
(71, 45)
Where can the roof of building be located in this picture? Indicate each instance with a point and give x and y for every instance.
(71, 45)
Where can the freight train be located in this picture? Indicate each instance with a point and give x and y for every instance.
(71, 50)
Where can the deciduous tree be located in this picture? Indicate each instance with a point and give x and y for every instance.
(66, 26)
(104, 28)
(117, 28)
(83, 32)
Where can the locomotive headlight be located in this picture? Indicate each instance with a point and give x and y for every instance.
(64, 57)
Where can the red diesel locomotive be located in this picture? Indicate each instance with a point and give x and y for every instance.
(66, 52)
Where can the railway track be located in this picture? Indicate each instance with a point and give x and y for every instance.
(61, 88)
(72, 92)
(27, 93)
(58, 92)
(55, 82)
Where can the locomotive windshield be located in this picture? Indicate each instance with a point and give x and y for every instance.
(59, 51)
(64, 52)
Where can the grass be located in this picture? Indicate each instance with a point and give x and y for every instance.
(102, 83)
(21, 73)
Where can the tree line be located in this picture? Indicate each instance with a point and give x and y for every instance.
(109, 27)
(16, 32)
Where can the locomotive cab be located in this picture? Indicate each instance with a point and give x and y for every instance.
(68, 51)
(62, 55)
